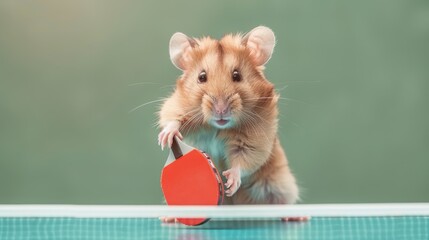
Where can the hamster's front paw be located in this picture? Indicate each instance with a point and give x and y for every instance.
(168, 219)
(233, 182)
(168, 133)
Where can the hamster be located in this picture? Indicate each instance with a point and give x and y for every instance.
(224, 105)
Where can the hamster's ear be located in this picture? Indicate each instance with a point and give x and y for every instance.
(180, 44)
(260, 41)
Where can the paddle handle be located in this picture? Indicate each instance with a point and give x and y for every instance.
(177, 151)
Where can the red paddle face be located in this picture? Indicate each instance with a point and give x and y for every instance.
(192, 179)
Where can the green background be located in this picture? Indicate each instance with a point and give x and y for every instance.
(355, 75)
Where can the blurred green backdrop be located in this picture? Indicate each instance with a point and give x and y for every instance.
(356, 75)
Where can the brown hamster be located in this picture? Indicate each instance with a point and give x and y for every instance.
(224, 105)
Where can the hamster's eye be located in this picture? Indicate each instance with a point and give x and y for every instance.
(202, 77)
(236, 76)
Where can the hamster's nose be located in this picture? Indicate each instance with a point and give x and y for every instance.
(221, 108)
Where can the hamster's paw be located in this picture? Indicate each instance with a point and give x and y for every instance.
(168, 133)
(296, 219)
(167, 220)
(233, 182)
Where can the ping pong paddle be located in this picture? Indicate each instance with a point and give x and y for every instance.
(189, 177)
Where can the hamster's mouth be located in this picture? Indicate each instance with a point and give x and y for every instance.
(222, 123)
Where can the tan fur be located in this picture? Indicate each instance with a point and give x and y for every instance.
(252, 143)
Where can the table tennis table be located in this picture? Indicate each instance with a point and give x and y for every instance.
(367, 221)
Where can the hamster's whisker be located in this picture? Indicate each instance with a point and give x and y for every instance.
(188, 121)
(258, 98)
(142, 83)
(279, 113)
(294, 123)
(258, 130)
(263, 108)
(146, 103)
(247, 123)
(191, 111)
(256, 115)
(311, 81)
(295, 100)
(253, 126)
(151, 83)
(197, 122)
(196, 118)
(251, 119)
(253, 115)
(170, 85)
(280, 98)
(282, 88)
